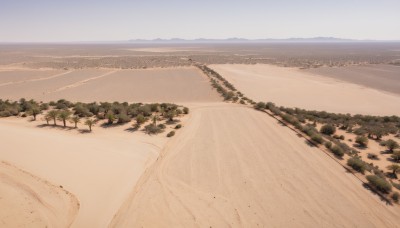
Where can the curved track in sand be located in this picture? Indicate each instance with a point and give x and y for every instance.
(28, 201)
(233, 166)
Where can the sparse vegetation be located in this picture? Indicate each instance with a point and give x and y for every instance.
(328, 129)
(171, 133)
(379, 183)
(357, 164)
(362, 141)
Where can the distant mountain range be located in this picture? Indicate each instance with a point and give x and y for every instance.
(242, 40)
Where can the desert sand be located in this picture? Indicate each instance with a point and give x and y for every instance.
(29, 201)
(149, 85)
(232, 166)
(100, 169)
(380, 77)
(292, 87)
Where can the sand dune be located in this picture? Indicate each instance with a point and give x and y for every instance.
(28, 201)
(296, 88)
(100, 169)
(232, 166)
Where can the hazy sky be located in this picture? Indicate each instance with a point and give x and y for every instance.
(101, 20)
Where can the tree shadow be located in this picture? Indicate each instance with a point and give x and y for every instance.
(358, 146)
(380, 195)
(107, 125)
(132, 129)
(59, 127)
(175, 121)
(84, 131)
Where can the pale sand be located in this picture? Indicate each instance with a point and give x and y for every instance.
(184, 84)
(28, 201)
(296, 88)
(100, 169)
(19, 76)
(232, 166)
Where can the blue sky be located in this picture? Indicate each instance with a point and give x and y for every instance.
(101, 20)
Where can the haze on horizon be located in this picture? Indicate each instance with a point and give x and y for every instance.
(101, 20)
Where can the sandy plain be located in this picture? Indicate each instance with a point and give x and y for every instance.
(248, 173)
(292, 87)
(100, 169)
(185, 84)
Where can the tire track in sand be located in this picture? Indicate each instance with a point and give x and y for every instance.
(36, 79)
(232, 166)
(80, 83)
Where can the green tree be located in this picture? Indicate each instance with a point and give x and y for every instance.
(90, 123)
(140, 119)
(391, 145)
(395, 169)
(34, 111)
(75, 120)
(64, 116)
(52, 114)
(362, 141)
(110, 117)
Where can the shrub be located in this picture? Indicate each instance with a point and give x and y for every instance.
(328, 145)
(341, 137)
(396, 156)
(317, 138)
(152, 129)
(328, 129)
(260, 106)
(379, 183)
(123, 118)
(186, 110)
(337, 151)
(140, 119)
(357, 164)
(362, 141)
(110, 117)
(372, 156)
(396, 185)
(391, 145)
(161, 126)
(395, 197)
(171, 133)
(395, 169)
(178, 126)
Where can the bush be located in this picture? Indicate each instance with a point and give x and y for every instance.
(341, 137)
(186, 110)
(396, 156)
(395, 197)
(171, 133)
(379, 183)
(357, 164)
(260, 106)
(337, 151)
(123, 118)
(328, 145)
(362, 141)
(178, 126)
(317, 138)
(328, 129)
(152, 129)
(391, 145)
(372, 156)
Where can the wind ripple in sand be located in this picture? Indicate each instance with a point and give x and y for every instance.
(80, 83)
(36, 79)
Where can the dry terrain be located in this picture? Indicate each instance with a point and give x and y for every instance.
(28, 201)
(100, 169)
(380, 77)
(150, 85)
(293, 87)
(242, 169)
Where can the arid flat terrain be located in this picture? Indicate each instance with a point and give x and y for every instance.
(242, 169)
(100, 169)
(293, 87)
(380, 77)
(149, 85)
(229, 165)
